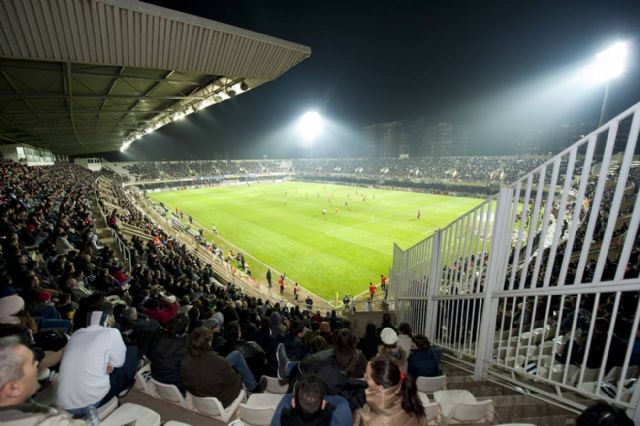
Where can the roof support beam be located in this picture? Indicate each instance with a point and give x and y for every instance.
(111, 86)
(98, 96)
(66, 67)
(15, 89)
(146, 95)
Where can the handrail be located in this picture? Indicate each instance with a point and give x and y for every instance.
(126, 253)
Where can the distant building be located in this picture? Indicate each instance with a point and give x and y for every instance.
(387, 139)
(550, 140)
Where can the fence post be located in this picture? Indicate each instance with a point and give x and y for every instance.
(494, 281)
(433, 285)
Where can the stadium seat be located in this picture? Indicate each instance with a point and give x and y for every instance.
(557, 372)
(273, 385)
(450, 398)
(109, 407)
(143, 380)
(614, 374)
(256, 416)
(170, 393)
(590, 375)
(130, 413)
(212, 407)
(175, 423)
(472, 412)
(431, 384)
(433, 413)
(516, 424)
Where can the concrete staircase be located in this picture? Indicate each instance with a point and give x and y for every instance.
(511, 405)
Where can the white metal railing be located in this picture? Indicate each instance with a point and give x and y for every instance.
(122, 247)
(539, 285)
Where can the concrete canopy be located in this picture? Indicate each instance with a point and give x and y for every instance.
(85, 76)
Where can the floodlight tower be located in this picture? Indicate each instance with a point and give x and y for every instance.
(608, 65)
(310, 126)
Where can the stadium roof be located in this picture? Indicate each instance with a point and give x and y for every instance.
(85, 76)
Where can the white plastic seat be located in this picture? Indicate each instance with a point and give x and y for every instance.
(557, 372)
(143, 380)
(107, 408)
(259, 409)
(175, 423)
(472, 412)
(614, 374)
(210, 406)
(273, 385)
(433, 413)
(169, 393)
(590, 375)
(132, 413)
(450, 398)
(431, 384)
(516, 424)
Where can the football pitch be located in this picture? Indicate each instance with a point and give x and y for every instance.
(331, 239)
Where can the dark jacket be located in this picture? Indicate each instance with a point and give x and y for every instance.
(166, 359)
(210, 375)
(337, 381)
(424, 363)
(294, 345)
(369, 346)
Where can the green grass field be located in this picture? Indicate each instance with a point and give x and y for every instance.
(282, 225)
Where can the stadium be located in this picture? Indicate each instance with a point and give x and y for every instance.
(176, 250)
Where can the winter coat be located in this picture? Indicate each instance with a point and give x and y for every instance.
(166, 359)
(424, 363)
(384, 408)
(210, 375)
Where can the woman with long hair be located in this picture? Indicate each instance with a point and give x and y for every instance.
(391, 400)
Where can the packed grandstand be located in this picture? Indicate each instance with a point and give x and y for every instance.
(116, 309)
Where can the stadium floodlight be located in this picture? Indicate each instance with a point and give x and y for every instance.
(310, 126)
(608, 64)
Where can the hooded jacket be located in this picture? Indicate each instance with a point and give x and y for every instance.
(166, 359)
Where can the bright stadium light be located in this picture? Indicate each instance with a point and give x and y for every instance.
(608, 64)
(310, 126)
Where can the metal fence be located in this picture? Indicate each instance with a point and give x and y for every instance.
(539, 285)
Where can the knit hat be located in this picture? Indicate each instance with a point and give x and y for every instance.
(211, 323)
(388, 336)
(43, 296)
(9, 307)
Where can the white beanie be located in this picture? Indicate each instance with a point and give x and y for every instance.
(388, 336)
(9, 307)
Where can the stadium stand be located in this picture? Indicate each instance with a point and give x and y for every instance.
(536, 289)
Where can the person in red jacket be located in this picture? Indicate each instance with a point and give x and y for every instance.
(372, 290)
(154, 311)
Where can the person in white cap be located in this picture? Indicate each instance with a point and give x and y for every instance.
(389, 348)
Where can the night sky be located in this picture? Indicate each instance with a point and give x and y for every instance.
(490, 65)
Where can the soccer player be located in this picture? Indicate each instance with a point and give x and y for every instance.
(418, 216)
(296, 292)
(383, 282)
(269, 277)
(372, 290)
(281, 283)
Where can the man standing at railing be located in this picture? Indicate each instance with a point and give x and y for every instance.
(269, 277)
